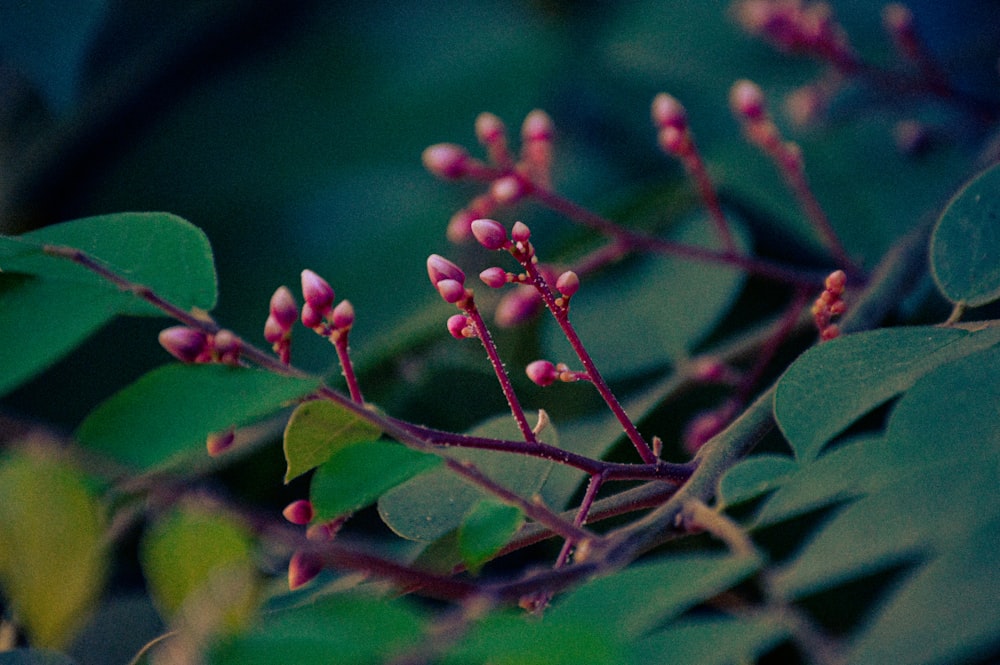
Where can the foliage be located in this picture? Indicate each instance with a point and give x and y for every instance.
(696, 467)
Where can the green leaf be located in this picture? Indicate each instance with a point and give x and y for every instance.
(62, 303)
(171, 410)
(352, 629)
(651, 311)
(754, 477)
(647, 594)
(432, 504)
(53, 560)
(199, 561)
(965, 245)
(710, 641)
(316, 430)
(488, 526)
(833, 384)
(357, 474)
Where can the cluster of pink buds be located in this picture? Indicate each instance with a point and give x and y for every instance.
(830, 304)
(304, 567)
(190, 345)
(278, 327)
(748, 104)
(510, 179)
(795, 26)
(318, 312)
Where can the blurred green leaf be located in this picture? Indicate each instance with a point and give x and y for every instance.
(357, 474)
(486, 528)
(833, 384)
(432, 504)
(651, 311)
(965, 246)
(316, 430)
(754, 477)
(348, 629)
(53, 560)
(172, 410)
(62, 303)
(199, 562)
(710, 641)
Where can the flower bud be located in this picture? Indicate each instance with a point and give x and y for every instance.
(568, 284)
(274, 332)
(520, 232)
(186, 344)
(451, 290)
(446, 160)
(458, 325)
(226, 346)
(489, 128)
(342, 315)
(283, 308)
(310, 317)
(317, 292)
(302, 569)
(542, 372)
(836, 281)
(672, 141)
(747, 100)
(490, 233)
(494, 277)
(537, 126)
(668, 112)
(299, 512)
(219, 442)
(508, 190)
(439, 268)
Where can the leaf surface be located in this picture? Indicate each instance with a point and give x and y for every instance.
(316, 430)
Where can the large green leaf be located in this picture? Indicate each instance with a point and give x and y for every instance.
(356, 474)
(200, 562)
(753, 478)
(965, 246)
(651, 311)
(710, 641)
(53, 559)
(316, 430)
(487, 527)
(348, 629)
(432, 504)
(62, 303)
(171, 410)
(833, 384)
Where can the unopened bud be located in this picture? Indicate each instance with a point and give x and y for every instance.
(283, 308)
(836, 281)
(446, 160)
(494, 277)
(302, 569)
(747, 100)
(537, 126)
(186, 344)
(489, 128)
(568, 284)
(490, 233)
(542, 372)
(273, 331)
(451, 290)
(317, 292)
(219, 442)
(520, 232)
(508, 190)
(343, 315)
(668, 112)
(673, 141)
(299, 512)
(310, 317)
(226, 346)
(439, 268)
(458, 326)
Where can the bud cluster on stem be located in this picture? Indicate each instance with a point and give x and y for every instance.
(191, 345)
(830, 304)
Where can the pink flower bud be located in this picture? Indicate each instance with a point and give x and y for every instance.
(317, 292)
(537, 126)
(458, 325)
(520, 232)
(517, 306)
(508, 190)
(494, 277)
(542, 372)
(747, 100)
(273, 331)
(446, 160)
(302, 569)
(836, 281)
(226, 346)
(490, 129)
(668, 112)
(451, 290)
(673, 141)
(439, 268)
(219, 442)
(310, 317)
(299, 512)
(186, 344)
(343, 315)
(568, 283)
(831, 331)
(490, 233)
(283, 308)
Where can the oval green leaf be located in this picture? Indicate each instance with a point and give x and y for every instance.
(965, 246)
(753, 478)
(53, 560)
(316, 430)
(488, 526)
(171, 410)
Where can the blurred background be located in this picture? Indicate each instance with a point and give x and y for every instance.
(291, 133)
